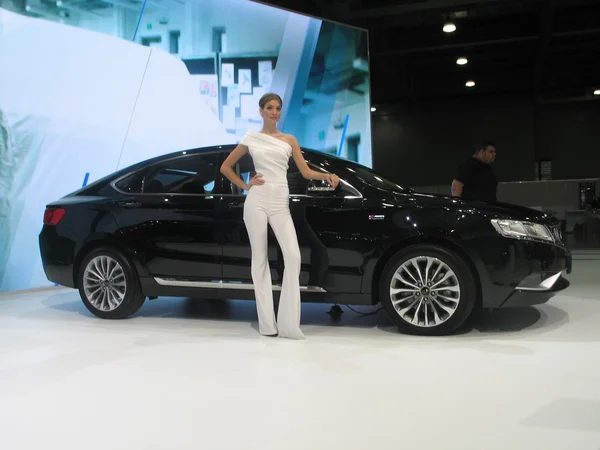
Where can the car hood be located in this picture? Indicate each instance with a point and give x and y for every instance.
(497, 209)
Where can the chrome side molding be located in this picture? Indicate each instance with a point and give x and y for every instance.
(219, 284)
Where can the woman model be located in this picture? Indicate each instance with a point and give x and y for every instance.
(267, 202)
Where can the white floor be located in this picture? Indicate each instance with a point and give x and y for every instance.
(193, 374)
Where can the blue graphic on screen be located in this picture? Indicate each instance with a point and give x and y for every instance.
(118, 84)
(341, 147)
(137, 27)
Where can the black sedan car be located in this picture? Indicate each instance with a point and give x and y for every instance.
(172, 226)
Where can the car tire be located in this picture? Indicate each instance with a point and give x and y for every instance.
(109, 285)
(427, 290)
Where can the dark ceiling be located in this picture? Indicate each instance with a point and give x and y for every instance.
(548, 49)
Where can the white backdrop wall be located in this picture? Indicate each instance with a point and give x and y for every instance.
(81, 102)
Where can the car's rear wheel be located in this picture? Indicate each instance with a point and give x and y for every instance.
(427, 290)
(109, 285)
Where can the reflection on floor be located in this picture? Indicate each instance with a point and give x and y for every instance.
(185, 374)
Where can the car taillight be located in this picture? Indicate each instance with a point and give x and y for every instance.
(53, 215)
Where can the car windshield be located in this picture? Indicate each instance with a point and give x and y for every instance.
(372, 178)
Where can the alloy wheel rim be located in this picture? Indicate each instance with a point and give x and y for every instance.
(425, 291)
(104, 283)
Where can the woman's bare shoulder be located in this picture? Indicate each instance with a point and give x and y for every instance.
(289, 138)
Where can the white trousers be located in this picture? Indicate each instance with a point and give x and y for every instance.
(269, 204)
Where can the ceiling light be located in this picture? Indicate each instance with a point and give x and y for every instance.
(597, 92)
(462, 61)
(449, 27)
(470, 83)
(373, 109)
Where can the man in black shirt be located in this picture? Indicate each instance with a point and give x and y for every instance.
(475, 179)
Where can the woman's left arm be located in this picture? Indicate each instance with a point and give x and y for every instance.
(306, 171)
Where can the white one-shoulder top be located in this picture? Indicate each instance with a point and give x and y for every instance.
(270, 156)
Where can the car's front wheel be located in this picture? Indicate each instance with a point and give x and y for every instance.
(427, 290)
(108, 284)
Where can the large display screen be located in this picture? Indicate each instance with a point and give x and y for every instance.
(88, 87)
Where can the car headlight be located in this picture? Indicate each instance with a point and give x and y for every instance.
(518, 229)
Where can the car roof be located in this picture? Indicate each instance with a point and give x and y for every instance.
(223, 148)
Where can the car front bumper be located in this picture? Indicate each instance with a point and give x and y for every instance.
(535, 296)
(519, 272)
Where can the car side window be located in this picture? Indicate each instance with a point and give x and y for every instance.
(194, 174)
(244, 168)
(132, 183)
(296, 182)
(298, 185)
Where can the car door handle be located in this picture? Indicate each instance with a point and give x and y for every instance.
(235, 205)
(320, 189)
(130, 204)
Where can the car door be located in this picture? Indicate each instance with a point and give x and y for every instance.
(236, 245)
(318, 212)
(168, 214)
(325, 224)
